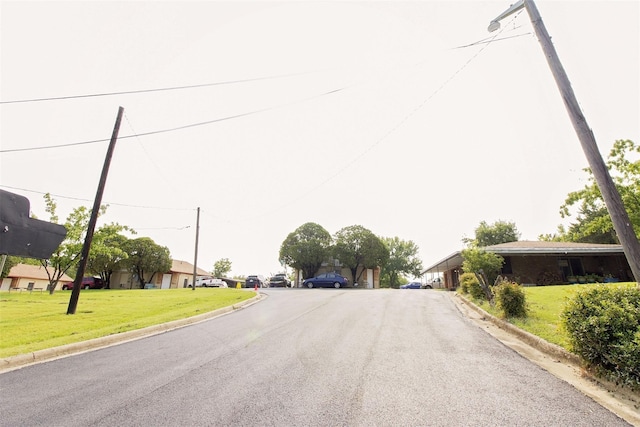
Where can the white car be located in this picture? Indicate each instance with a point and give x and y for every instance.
(217, 283)
(210, 282)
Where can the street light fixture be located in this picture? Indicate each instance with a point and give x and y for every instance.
(612, 199)
(495, 24)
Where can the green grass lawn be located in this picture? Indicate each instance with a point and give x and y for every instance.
(36, 321)
(545, 306)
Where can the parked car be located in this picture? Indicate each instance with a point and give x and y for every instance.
(210, 282)
(416, 285)
(255, 280)
(333, 280)
(279, 280)
(87, 283)
(412, 285)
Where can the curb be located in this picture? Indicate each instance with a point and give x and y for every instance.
(623, 402)
(19, 361)
(533, 340)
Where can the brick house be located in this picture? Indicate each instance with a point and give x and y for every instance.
(545, 263)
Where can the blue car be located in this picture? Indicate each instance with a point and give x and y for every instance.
(412, 285)
(331, 280)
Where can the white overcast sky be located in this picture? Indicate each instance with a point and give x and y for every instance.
(339, 113)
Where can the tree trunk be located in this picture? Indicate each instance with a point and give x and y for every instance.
(484, 284)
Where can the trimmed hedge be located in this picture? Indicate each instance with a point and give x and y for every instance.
(603, 323)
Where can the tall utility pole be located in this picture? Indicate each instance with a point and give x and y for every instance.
(77, 283)
(195, 258)
(613, 201)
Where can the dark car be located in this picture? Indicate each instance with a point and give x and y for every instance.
(87, 283)
(415, 285)
(412, 285)
(333, 280)
(279, 280)
(255, 280)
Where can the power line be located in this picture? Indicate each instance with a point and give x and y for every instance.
(130, 92)
(59, 196)
(491, 40)
(192, 125)
(397, 126)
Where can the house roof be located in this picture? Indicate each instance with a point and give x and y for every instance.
(185, 267)
(530, 248)
(27, 271)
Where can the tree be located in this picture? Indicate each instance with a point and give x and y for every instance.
(67, 255)
(306, 248)
(9, 262)
(485, 265)
(146, 258)
(493, 234)
(108, 252)
(403, 258)
(221, 267)
(593, 223)
(357, 248)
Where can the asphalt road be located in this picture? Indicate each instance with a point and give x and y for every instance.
(304, 357)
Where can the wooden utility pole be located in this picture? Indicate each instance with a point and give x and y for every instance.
(195, 258)
(77, 283)
(613, 201)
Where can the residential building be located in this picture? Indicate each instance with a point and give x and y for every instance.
(537, 263)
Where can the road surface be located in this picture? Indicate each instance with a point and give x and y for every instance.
(304, 357)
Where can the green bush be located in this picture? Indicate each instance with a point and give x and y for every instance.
(603, 323)
(469, 285)
(465, 280)
(511, 299)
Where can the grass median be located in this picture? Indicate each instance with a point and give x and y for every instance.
(36, 321)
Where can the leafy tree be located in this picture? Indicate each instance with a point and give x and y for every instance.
(493, 234)
(485, 265)
(146, 258)
(306, 248)
(358, 248)
(108, 252)
(9, 262)
(593, 223)
(221, 267)
(403, 258)
(67, 255)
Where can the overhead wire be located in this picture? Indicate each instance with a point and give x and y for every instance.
(177, 128)
(105, 203)
(162, 89)
(363, 153)
(399, 124)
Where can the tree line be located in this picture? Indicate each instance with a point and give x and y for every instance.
(355, 247)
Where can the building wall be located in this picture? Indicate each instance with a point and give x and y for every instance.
(23, 282)
(554, 269)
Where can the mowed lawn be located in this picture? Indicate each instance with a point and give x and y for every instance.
(546, 304)
(36, 321)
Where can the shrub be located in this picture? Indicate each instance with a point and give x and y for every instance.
(469, 285)
(511, 299)
(465, 281)
(603, 323)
